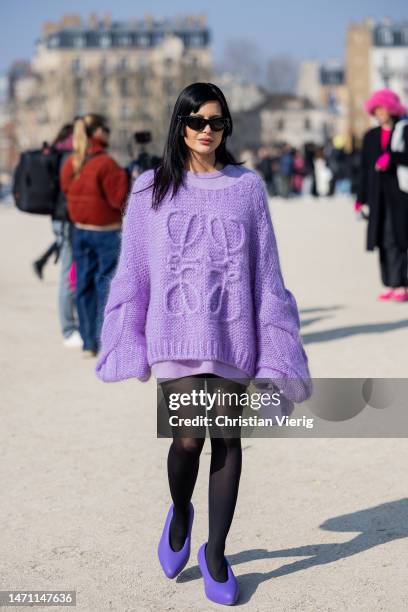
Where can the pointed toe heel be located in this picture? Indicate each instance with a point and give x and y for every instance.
(227, 592)
(173, 562)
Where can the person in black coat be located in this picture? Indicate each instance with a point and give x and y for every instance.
(379, 191)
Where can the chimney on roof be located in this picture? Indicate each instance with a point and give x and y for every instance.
(148, 17)
(70, 21)
(48, 27)
(93, 21)
(387, 21)
(107, 20)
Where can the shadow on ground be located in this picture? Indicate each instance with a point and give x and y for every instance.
(343, 332)
(378, 525)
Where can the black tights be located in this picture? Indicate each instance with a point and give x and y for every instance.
(225, 469)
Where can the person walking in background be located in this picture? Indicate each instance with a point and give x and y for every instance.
(45, 187)
(298, 171)
(250, 158)
(308, 168)
(96, 188)
(264, 167)
(322, 182)
(339, 162)
(379, 194)
(62, 228)
(286, 170)
(198, 271)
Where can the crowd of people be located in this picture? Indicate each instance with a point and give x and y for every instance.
(310, 170)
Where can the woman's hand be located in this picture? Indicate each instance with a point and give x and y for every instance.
(362, 209)
(383, 162)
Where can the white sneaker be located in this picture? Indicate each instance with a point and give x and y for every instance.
(74, 340)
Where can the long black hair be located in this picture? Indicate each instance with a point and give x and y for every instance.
(169, 172)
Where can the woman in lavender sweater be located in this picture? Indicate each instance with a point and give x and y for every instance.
(198, 298)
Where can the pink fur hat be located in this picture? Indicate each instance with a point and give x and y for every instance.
(387, 98)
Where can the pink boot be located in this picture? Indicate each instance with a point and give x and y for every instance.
(386, 295)
(399, 296)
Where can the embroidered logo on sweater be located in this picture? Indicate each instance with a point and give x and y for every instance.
(204, 265)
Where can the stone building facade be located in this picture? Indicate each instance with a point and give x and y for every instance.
(130, 71)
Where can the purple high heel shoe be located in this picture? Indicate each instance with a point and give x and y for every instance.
(172, 561)
(221, 592)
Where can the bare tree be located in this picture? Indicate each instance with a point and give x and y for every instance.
(281, 74)
(243, 58)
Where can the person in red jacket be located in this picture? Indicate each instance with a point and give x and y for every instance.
(96, 188)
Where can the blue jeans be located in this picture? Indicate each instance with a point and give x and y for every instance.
(96, 255)
(66, 298)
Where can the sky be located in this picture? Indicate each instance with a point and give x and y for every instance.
(304, 29)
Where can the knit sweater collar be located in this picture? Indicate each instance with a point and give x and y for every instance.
(212, 180)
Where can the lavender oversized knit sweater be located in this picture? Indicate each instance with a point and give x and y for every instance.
(200, 278)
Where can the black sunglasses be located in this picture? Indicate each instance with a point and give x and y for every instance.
(198, 123)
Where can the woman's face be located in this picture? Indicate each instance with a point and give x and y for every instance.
(206, 141)
(382, 115)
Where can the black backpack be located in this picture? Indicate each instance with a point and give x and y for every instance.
(36, 181)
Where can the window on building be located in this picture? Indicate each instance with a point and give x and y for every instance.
(42, 118)
(145, 117)
(307, 124)
(194, 40)
(123, 63)
(143, 91)
(104, 87)
(104, 65)
(144, 40)
(280, 125)
(168, 87)
(79, 89)
(77, 65)
(53, 41)
(123, 138)
(385, 71)
(80, 108)
(158, 37)
(79, 41)
(125, 112)
(124, 40)
(386, 36)
(124, 87)
(105, 40)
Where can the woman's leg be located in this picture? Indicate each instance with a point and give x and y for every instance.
(393, 259)
(107, 248)
(86, 266)
(66, 297)
(225, 472)
(184, 456)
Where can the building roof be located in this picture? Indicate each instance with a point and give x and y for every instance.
(72, 32)
(282, 101)
(389, 34)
